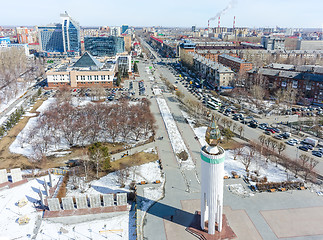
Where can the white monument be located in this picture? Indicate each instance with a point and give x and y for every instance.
(212, 173)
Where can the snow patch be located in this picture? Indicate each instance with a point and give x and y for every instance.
(174, 134)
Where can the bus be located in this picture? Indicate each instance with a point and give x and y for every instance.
(212, 105)
(175, 87)
(216, 101)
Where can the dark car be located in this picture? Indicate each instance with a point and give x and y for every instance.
(304, 148)
(244, 122)
(276, 130)
(309, 146)
(278, 136)
(268, 132)
(317, 153)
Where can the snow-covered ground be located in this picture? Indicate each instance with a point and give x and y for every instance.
(268, 169)
(10, 212)
(111, 183)
(199, 132)
(174, 134)
(273, 173)
(28, 139)
(98, 229)
(21, 146)
(22, 87)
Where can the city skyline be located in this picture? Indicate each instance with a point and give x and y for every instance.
(249, 13)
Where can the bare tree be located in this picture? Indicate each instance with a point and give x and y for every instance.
(237, 152)
(309, 167)
(281, 147)
(248, 157)
(240, 130)
(234, 127)
(273, 144)
(229, 123)
(224, 122)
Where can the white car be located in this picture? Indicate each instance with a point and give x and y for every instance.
(295, 140)
(291, 142)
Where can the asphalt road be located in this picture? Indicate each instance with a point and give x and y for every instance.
(29, 93)
(250, 133)
(175, 186)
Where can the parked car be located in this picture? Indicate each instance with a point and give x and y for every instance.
(286, 135)
(278, 136)
(295, 140)
(317, 153)
(276, 130)
(270, 130)
(292, 143)
(304, 148)
(310, 147)
(262, 126)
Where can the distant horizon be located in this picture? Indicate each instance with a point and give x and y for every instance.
(197, 27)
(247, 13)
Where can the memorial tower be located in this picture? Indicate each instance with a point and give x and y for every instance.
(212, 173)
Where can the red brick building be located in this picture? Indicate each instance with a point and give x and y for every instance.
(236, 64)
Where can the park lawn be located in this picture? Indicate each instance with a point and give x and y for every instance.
(10, 160)
(133, 160)
(231, 144)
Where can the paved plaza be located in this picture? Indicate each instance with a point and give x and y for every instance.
(289, 215)
(295, 222)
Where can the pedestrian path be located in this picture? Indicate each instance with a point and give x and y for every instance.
(132, 151)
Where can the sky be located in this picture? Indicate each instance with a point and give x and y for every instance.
(167, 13)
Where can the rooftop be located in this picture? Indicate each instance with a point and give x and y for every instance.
(235, 59)
(214, 65)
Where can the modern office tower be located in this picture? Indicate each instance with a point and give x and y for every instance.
(115, 31)
(124, 28)
(104, 46)
(193, 28)
(51, 38)
(71, 34)
(212, 173)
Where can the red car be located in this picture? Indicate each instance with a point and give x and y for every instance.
(270, 130)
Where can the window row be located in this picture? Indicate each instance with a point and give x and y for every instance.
(94, 77)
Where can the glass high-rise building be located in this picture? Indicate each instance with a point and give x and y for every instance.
(71, 34)
(51, 38)
(104, 46)
(63, 37)
(124, 28)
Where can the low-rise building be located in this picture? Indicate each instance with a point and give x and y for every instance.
(5, 44)
(216, 75)
(236, 64)
(305, 80)
(85, 72)
(273, 43)
(309, 45)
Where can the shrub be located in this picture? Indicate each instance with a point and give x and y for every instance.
(183, 155)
